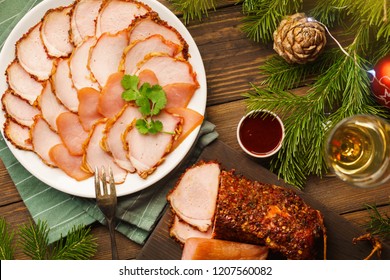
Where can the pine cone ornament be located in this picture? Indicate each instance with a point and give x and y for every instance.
(299, 39)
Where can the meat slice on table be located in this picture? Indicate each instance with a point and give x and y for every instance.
(147, 151)
(88, 107)
(113, 140)
(32, 55)
(51, 108)
(55, 31)
(43, 139)
(253, 212)
(22, 83)
(214, 249)
(170, 70)
(194, 197)
(151, 24)
(68, 163)
(138, 51)
(181, 231)
(17, 134)
(106, 55)
(63, 85)
(95, 156)
(83, 19)
(110, 100)
(117, 15)
(80, 73)
(72, 132)
(19, 109)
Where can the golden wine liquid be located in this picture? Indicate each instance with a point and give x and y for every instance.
(358, 151)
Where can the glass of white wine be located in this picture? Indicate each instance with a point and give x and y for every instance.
(357, 150)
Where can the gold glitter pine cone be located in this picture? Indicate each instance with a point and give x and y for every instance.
(299, 39)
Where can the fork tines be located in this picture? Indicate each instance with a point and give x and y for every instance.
(101, 189)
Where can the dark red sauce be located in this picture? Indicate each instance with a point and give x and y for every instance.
(260, 134)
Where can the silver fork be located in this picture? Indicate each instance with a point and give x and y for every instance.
(106, 200)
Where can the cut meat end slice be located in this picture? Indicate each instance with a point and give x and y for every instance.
(32, 55)
(113, 140)
(106, 55)
(19, 109)
(18, 135)
(147, 151)
(191, 120)
(169, 70)
(55, 31)
(147, 76)
(68, 163)
(22, 83)
(80, 73)
(214, 249)
(150, 24)
(110, 100)
(95, 156)
(50, 106)
(83, 19)
(117, 15)
(88, 107)
(181, 231)
(194, 197)
(72, 132)
(179, 94)
(43, 139)
(63, 85)
(137, 51)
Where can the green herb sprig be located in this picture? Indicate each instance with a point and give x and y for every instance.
(150, 101)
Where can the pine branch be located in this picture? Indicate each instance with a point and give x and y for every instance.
(192, 9)
(329, 12)
(35, 241)
(6, 237)
(379, 223)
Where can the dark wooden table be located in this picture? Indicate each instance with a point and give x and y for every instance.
(231, 61)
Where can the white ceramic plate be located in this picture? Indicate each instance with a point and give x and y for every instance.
(56, 178)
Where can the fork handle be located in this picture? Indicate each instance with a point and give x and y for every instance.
(114, 249)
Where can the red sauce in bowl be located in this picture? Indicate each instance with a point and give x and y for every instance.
(261, 133)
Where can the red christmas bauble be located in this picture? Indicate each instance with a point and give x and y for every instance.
(380, 81)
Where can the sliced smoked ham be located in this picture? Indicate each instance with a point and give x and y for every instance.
(138, 50)
(147, 151)
(169, 70)
(114, 137)
(83, 19)
(106, 55)
(179, 94)
(88, 107)
(198, 248)
(19, 109)
(22, 83)
(110, 100)
(181, 231)
(194, 198)
(95, 156)
(50, 106)
(63, 85)
(43, 139)
(72, 132)
(147, 76)
(117, 15)
(150, 24)
(18, 135)
(68, 163)
(80, 73)
(32, 55)
(55, 31)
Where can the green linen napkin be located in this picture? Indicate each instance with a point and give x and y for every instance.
(137, 213)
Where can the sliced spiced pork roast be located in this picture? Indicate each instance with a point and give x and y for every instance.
(22, 83)
(55, 31)
(110, 99)
(194, 197)
(88, 110)
(181, 231)
(83, 19)
(32, 54)
(18, 135)
(117, 15)
(147, 151)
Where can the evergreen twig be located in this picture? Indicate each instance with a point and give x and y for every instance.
(379, 223)
(6, 237)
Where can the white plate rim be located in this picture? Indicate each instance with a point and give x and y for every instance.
(57, 178)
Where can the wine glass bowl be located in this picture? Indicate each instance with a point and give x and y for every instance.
(357, 150)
